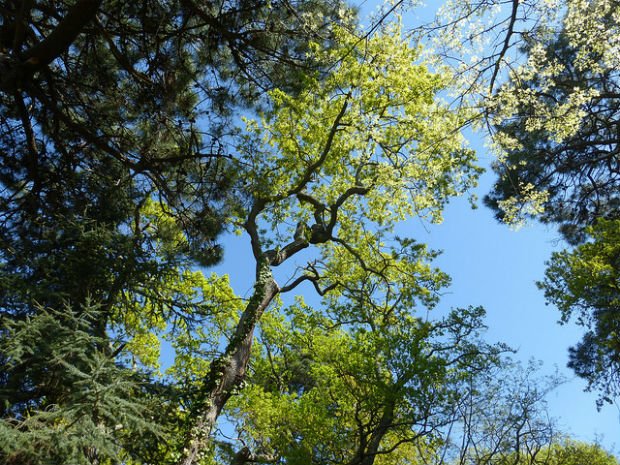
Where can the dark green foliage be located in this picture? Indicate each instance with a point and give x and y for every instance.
(583, 284)
(581, 173)
(63, 398)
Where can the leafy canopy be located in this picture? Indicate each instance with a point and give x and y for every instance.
(584, 283)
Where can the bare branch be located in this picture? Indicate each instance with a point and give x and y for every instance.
(502, 53)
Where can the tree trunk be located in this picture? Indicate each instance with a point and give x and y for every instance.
(228, 372)
(367, 454)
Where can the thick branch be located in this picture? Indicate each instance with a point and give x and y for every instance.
(351, 191)
(277, 257)
(252, 229)
(321, 232)
(313, 278)
(371, 449)
(228, 372)
(63, 35)
(50, 48)
(245, 455)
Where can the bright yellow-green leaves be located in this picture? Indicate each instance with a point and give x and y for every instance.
(312, 379)
(576, 453)
(373, 122)
(363, 148)
(197, 343)
(323, 388)
(566, 452)
(162, 225)
(186, 307)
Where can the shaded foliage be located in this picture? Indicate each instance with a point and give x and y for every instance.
(584, 285)
(574, 160)
(73, 402)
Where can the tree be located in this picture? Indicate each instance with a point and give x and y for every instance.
(550, 99)
(99, 406)
(584, 284)
(564, 452)
(544, 76)
(503, 418)
(574, 452)
(556, 121)
(114, 183)
(90, 129)
(336, 167)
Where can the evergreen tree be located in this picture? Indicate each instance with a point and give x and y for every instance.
(114, 181)
(584, 284)
(557, 126)
(557, 122)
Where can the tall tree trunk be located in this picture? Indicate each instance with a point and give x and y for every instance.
(228, 371)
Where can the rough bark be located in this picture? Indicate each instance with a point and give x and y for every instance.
(228, 372)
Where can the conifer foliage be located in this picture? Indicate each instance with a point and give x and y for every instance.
(114, 174)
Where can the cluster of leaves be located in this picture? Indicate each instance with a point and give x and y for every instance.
(556, 122)
(585, 283)
(63, 393)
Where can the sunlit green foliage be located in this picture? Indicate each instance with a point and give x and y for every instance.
(565, 452)
(584, 283)
(330, 389)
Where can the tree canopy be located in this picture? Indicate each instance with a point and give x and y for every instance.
(557, 123)
(583, 283)
(133, 136)
(544, 77)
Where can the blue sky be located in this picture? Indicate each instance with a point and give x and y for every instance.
(497, 267)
